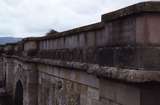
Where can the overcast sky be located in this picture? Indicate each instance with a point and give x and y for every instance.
(23, 18)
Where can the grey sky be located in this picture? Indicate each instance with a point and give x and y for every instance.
(22, 18)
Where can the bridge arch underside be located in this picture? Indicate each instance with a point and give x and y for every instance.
(18, 93)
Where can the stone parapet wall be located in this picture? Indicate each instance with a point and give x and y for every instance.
(125, 39)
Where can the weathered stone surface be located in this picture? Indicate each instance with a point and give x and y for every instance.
(105, 56)
(114, 62)
(145, 7)
(121, 32)
(150, 94)
(120, 93)
(30, 45)
(147, 29)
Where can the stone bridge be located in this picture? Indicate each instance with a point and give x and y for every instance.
(113, 62)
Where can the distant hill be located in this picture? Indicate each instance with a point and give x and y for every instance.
(4, 40)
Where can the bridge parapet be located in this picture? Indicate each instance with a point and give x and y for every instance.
(127, 38)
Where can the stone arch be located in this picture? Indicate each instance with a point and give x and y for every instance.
(18, 93)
